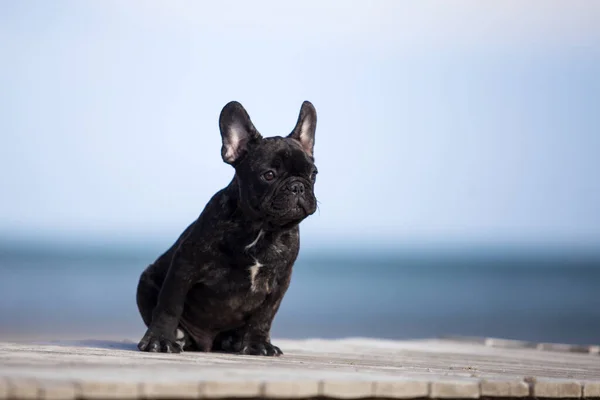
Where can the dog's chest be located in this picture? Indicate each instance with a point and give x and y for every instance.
(261, 277)
(266, 262)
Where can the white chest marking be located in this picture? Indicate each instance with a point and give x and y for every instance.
(253, 272)
(260, 234)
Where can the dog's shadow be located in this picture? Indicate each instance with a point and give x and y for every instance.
(126, 345)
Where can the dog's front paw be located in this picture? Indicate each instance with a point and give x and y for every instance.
(156, 342)
(261, 348)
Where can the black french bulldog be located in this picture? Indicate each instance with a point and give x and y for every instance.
(220, 285)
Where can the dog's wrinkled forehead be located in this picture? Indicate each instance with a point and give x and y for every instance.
(279, 152)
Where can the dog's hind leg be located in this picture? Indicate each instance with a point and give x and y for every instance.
(147, 298)
(147, 295)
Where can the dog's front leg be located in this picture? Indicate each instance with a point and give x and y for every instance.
(160, 336)
(254, 337)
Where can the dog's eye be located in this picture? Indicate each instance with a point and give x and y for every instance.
(269, 175)
(313, 176)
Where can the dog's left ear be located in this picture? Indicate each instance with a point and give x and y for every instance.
(304, 132)
(237, 132)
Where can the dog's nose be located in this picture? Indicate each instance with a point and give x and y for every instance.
(297, 188)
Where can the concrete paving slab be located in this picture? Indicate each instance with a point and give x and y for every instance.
(344, 369)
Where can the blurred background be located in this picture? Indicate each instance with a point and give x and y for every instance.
(458, 148)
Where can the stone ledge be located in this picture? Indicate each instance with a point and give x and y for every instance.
(505, 388)
(560, 389)
(403, 389)
(521, 344)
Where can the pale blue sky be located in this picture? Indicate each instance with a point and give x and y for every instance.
(443, 121)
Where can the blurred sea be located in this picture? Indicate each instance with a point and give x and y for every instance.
(51, 292)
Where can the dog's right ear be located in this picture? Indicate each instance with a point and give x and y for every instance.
(237, 132)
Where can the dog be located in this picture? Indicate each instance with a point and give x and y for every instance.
(221, 283)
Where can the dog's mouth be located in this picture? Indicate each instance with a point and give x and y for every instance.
(303, 206)
(288, 210)
(294, 211)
